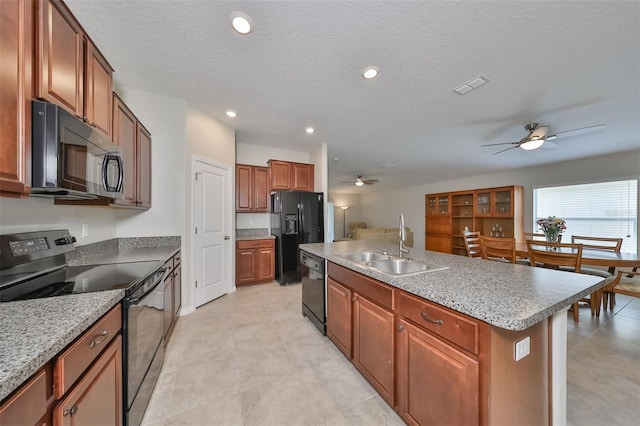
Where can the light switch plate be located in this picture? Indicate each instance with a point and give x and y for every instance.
(85, 230)
(522, 348)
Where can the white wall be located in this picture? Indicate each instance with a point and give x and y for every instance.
(382, 208)
(353, 214)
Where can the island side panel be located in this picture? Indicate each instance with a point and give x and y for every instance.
(520, 389)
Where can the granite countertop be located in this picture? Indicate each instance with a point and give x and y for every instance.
(253, 234)
(512, 297)
(32, 332)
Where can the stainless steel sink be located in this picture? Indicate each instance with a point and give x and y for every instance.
(365, 256)
(403, 267)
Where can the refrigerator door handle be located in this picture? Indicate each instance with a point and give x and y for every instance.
(302, 225)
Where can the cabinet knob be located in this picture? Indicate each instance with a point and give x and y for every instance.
(400, 327)
(353, 299)
(226, 237)
(70, 411)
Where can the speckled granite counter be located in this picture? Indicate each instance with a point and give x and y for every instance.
(33, 331)
(253, 234)
(512, 297)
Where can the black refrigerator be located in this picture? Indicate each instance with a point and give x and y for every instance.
(296, 218)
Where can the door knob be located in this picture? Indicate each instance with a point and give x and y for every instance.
(226, 237)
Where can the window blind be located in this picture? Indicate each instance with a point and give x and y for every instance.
(604, 209)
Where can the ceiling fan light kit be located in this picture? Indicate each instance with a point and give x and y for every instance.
(361, 182)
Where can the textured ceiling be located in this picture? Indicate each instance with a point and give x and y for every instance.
(564, 64)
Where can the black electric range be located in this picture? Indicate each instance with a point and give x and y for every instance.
(32, 266)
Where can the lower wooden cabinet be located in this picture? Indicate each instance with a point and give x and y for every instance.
(255, 261)
(363, 331)
(97, 396)
(437, 384)
(29, 405)
(172, 294)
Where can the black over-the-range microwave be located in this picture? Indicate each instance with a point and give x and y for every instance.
(70, 159)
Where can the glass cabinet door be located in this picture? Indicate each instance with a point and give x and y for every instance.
(432, 204)
(502, 203)
(443, 204)
(483, 203)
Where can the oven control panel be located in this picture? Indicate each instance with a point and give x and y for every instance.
(34, 245)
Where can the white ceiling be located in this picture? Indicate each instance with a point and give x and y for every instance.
(564, 64)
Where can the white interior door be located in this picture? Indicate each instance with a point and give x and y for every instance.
(212, 229)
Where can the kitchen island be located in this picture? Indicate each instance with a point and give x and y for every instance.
(441, 346)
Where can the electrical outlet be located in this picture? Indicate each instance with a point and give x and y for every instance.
(522, 348)
(85, 230)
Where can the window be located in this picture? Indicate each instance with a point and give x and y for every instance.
(606, 209)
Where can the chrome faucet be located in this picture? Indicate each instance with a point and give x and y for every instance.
(402, 238)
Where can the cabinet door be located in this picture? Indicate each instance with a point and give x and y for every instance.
(436, 384)
(124, 135)
(261, 189)
(15, 103)
(28, 405)
(339, 316)
(61, 53)
(244, 186)
(177, 291)
(168, 306)
(441, 243)
(245, 266)
(503, 202)
(373, 343)
(266, 264)
(483, 203)
(98, 90)
(97, 397)
(302, 177)
(280, 172)
(143, 167)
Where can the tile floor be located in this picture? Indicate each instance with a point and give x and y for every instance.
(250, 358)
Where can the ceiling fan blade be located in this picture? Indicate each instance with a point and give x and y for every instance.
(370, 181)
(503, 143)
(350, 183)
(506, 149)
(576, 132)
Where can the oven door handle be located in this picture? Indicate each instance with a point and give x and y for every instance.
(160, 273)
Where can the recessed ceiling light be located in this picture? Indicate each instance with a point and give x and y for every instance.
(309, 130)
(387, 165)
(370, 72)
(231, 114)
(241, 22)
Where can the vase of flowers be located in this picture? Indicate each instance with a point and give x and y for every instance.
(552, 228)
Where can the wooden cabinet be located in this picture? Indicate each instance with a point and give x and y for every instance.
(437, 384)
(172, 294)
(493, 212)
(255, 261)
(16, 33)
(71, 71)
(289, 176)
(339, 316)
(29, 404)
(135, 145)
(360, 323)
(252, 188)
(97, 397)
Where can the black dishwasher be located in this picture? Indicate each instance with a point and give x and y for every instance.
(313, 290)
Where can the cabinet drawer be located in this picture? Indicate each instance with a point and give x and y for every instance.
(249, 244)
(440, 321)
(29, 404)
(71, 363)
(365, 286)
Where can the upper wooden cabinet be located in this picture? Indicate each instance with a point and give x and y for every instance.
(252, 188)
(16, 33)
(495, 212)
(71, 72)
(288, 176)
(135, 147)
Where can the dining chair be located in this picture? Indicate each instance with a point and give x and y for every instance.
(538, 236)
(599, 243)
(497, 248)
(551, 255)
(472, 243)
(625, 282)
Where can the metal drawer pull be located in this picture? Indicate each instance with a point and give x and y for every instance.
(70, 411)
(427, 319)
(97, 342)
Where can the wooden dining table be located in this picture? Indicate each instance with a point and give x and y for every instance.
(595, 257)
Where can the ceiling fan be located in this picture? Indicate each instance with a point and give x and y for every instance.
(360, 182)
(538, 137)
